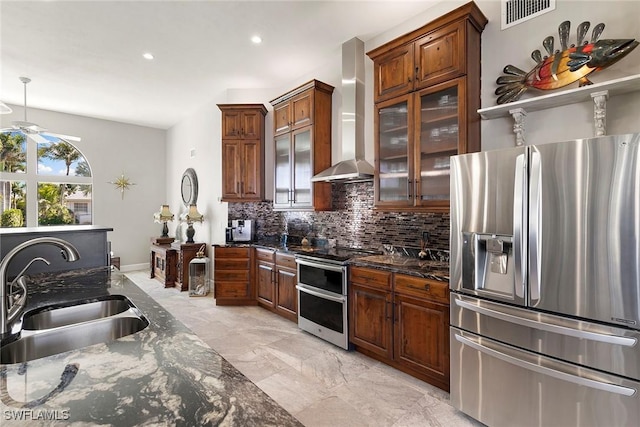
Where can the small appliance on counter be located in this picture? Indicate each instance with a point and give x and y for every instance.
(242, 230)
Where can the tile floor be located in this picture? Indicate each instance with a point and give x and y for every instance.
(320, 384)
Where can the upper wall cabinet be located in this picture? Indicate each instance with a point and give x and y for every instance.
(242, 152)
(427, 92)
(302, 133)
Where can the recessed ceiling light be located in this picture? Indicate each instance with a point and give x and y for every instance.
(256, 39)
(147, 55)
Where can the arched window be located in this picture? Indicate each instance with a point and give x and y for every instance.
(43, 182)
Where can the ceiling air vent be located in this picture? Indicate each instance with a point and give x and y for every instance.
(515, 12)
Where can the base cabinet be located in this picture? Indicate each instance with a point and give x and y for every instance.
(232, 276)
(276, 279)
(401, 320)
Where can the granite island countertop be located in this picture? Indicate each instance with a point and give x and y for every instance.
(162, 375)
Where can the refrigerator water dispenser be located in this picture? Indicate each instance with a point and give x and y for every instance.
(487, 264)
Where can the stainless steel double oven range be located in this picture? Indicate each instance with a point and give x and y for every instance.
(322, 293)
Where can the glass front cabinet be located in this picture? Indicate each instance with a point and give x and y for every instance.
(426, 94)
(293, 169)
(417, 135)
(302, 142)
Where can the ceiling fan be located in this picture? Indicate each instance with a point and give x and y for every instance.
(32, 129)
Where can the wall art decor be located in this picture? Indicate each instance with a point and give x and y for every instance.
(566, 65)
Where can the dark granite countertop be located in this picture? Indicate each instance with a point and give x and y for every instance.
(429, 269)
(162, 375)
(436, 267)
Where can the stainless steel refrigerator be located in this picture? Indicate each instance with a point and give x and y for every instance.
(545, 284)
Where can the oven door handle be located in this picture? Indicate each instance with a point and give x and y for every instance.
(320, 294)
(322, 266)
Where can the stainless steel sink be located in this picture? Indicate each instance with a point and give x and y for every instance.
(73, 327)
(54, 317)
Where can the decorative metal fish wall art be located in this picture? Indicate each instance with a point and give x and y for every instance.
(563, 67)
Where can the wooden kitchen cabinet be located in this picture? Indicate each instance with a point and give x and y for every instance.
(276, 278)
(427, 93)
(286, 275)
(242, 152)
(421, 327)
(265, 280)
(232, 276)
(302, 145)
(401, 320)
(371, 311)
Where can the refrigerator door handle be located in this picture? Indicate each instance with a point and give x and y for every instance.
(519, 247)
(535, 227)
(549, 327)
(610, 388)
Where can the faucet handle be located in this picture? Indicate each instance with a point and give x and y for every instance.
(29, 265)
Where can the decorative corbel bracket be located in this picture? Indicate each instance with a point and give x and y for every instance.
(600, 111)
(518, 115)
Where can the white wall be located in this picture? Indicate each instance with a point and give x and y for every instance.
(112, 148)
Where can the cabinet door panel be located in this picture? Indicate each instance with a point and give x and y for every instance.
(265, 283)
(302, 108)
(250, 184)
(282, 172)
(440, 55)
(232, 125)
(439, 137)
(252, 124)
(302, 171)
(230, 170)
(394, 166)
(394, 73)
(422, 336)
(281, 120)
(370, 320)
(287, 294)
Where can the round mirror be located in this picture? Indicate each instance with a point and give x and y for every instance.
(189, 187)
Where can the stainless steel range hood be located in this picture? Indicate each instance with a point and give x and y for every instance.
(353, 166)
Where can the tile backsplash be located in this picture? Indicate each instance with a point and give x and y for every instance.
(352, 221)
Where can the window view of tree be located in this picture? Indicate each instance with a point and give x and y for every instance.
(63, 179)
(13, 159)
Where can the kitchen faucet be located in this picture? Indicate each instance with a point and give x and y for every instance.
(8, 312)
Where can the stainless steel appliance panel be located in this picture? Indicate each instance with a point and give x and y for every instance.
(584, 224)
(242, 230)
(488, 195)
(608, 348)
(501, 385)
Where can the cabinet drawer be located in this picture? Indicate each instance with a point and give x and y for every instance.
(370, 277)
(285, 260)
(264, 255)
(422, 288)
(232, 290)
(231, 275)
(232, 264)
(232, 252)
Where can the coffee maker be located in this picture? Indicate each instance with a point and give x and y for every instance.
(242, 230)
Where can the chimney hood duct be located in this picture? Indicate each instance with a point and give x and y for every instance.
(353, 167)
